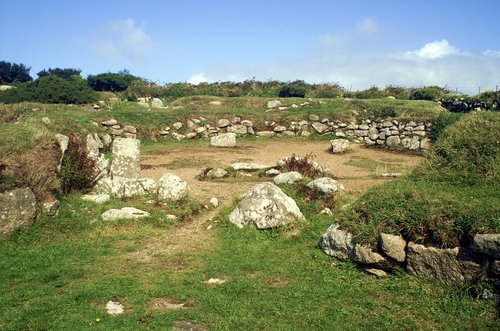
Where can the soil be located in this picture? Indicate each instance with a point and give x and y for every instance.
(188, 163)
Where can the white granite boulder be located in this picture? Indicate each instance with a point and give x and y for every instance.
(172, 187)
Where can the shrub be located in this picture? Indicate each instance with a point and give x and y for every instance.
(429, 93)
(306, 166)
(12, 72)
(295, 89)
(78, 171)
(444, 120)
(372, 93)
(112, 82)
(61, 73)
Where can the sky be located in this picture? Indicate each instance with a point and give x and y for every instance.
(357, 44)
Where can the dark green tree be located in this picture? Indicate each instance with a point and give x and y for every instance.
(13, 72)
(66, 73)
(113, 82)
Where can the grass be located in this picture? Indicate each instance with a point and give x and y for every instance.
(60, 274)
(376, 166)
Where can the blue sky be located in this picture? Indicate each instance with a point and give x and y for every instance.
(355, 43)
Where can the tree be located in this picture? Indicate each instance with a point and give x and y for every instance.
(113, 82)
(13, 72)
(66, 73)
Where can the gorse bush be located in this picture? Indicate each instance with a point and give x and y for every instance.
(440, 123)
(429, 93)
(306, 165)
(78, 171)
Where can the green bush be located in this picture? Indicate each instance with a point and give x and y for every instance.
(112, 82)
(13, 72)
(429, 93)
(295, 89)
(67, 73)
(78, 171)
(441, 122)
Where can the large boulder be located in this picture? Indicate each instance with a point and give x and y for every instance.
(339, 145)
(126, 158)
(265, 206)
(488, 244)
(448, 265)
(172, 187)
(325, 186)
(337, 243)
(124, 213)
(17, 210)
(224, 140)
(216, 173)
(156, 103)
(320, 127)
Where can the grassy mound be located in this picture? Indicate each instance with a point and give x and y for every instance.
(452, 194)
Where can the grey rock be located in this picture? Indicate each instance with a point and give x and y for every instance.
(96, 198)
(223, 123)
(273, 104)
(393, 246)
(339, 145)
(190, 135)
(177, 125)
(238, 129)
(249, 166)
(279, 128)
(266, 134)
(51, 207)
(223, 140)
(178, 136)
(287, 178)
(63, 142)
(110, 122)
(361, 133)
(495, 268)
(376, 272)
(488, 244)
(190, 124)
(117, 132)
(320, 127)
(288, 133)
(107, 140)
(214, 202)
(366, 256)
(265, 206)
(273, 172)
(313, 118)
(156, 103)
(305, 133)
(450, 265)
(247, 123)
(125, 187)
(326, 186)
(46, 121)
(393, 141)
(126, 158)
(114, 308)
(93, 144)
(216, 173)
(17, 210)
(337, 243)
(172, 187)
(130, 129)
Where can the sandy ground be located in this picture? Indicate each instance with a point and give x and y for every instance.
(189, 162)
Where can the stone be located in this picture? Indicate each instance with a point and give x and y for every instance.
(393, 141)
(93, 144)
(273, 172)
(216, 173)
(96, 198)
(114, 308)
(366, 256)
(390, 97)
(373, 134)
(187, 326)
(393, 246)
(376, 272)
(115, 132)
(107, 140)
(238, 129)
(130, 129)
(156, 103)
(326, 186)
(171, 218)
(237, 120)
(109, 122)
(339, 145)
(305, 133)
(279, 128)
(130, 135)
(448, 265)
(164, 133)
(178, 136)
(265, 134)
(63, 142)
(247, 123)
(46, 120)
(215, 281)
(313, 118)
(495, 268)
(190, 135)
(249, 166)
(391, 174)
(224, 140)
(265, 206)
(337, 243)
(273, 103)
(223, 123)
(190, 124)
(320, 127)
(125, 187)
(177, 125)
(488, 244)
(124, 213)
(17, 210)
(214, 202)
(250, 130)
(172, 187)
(51, 207)
(361, 133)
(326, 211)
(288, 133)
(215, 103)
(287, 178)
(126, 158)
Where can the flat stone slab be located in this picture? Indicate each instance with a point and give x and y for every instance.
(124, 213)
(249, 166)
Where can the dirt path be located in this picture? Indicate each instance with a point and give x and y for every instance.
(358, 169)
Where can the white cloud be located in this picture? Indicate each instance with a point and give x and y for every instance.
(367, 26)
(492, 53)
(125, 39)
(197, 79)
(435, 50)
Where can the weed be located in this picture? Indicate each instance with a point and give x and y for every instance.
(306, 165)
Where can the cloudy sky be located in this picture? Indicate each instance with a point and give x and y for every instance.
(355, 43)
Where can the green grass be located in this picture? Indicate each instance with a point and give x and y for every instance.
(377, 166)
(60, 274)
